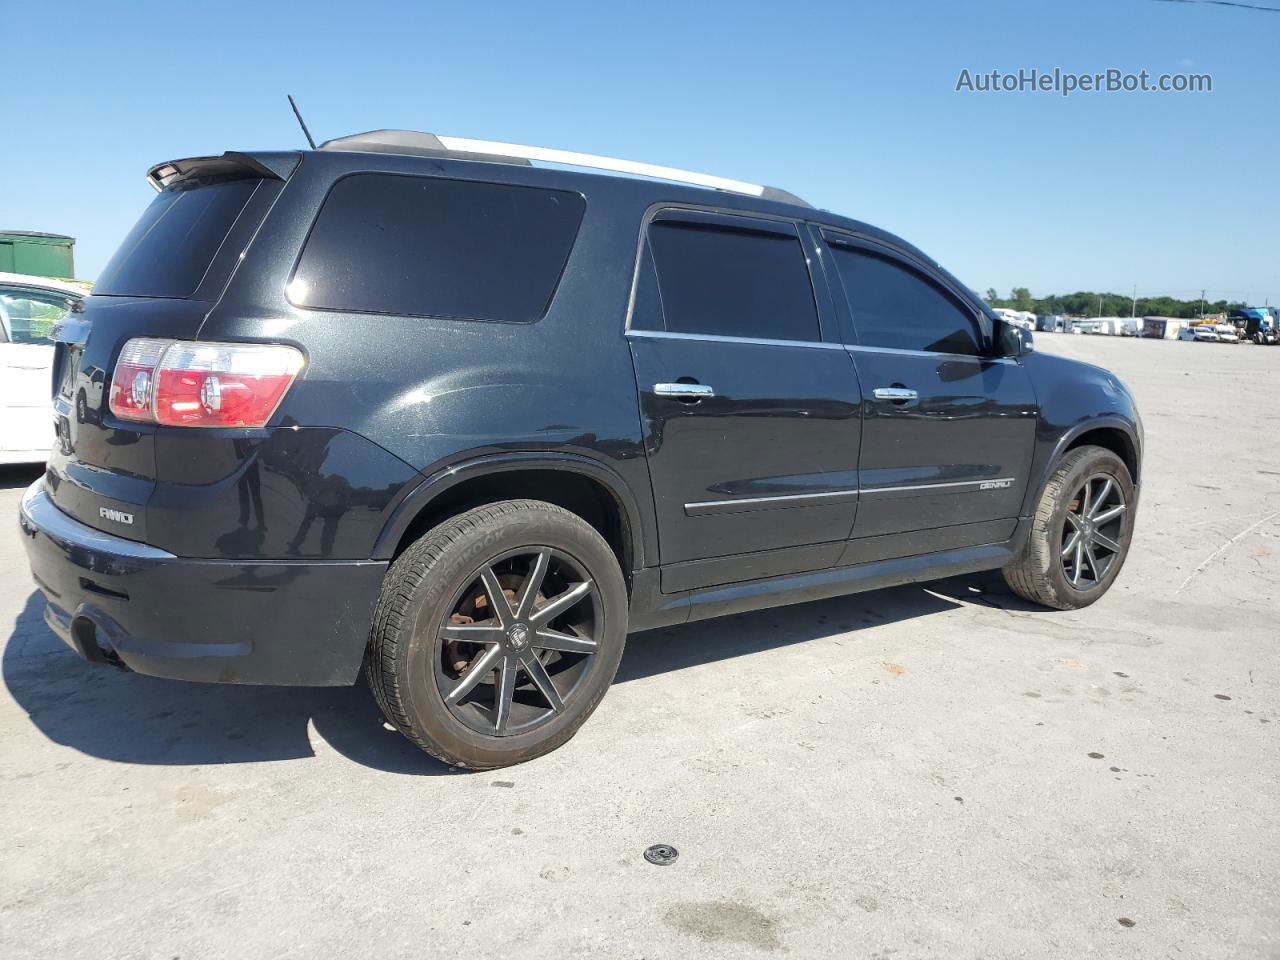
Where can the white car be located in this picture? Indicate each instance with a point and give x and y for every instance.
(1202, 331)
(1227, 333)
(29, 308)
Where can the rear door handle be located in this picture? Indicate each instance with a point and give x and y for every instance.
(684, 391)
(898, 394)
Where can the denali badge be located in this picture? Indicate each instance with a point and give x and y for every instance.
(119, 516)
(995, 484)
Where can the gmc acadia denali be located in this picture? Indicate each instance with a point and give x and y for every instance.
(415, 404)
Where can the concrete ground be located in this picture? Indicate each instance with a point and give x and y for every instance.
(930, 771)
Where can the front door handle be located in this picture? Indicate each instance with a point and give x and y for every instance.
(684, 391)
(896, 394)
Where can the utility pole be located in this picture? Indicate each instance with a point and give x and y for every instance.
(1133, 311)
(1202, 305)
(1099, 305)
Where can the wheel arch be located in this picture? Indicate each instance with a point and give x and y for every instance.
(579, 484)
(1116, 434)
(1110, 437)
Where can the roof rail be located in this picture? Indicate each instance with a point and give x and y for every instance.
(494, 151)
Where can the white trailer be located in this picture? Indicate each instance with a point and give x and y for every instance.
(1162, 328)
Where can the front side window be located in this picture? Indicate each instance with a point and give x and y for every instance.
(898, 307)
(28, 316)
(431, 247)
(733, 283)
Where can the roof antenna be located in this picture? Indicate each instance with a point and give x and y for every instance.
(302, 123)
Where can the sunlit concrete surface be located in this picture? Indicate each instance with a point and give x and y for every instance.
(930, 771)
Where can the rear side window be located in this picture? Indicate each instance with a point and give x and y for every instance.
(733, 283)
(169, 250)
(431, 247)
(894, 306)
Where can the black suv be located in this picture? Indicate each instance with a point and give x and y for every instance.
(416, 404)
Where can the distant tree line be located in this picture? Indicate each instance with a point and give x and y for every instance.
(1085, 304)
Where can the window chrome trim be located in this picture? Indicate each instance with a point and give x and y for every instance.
(718, 338)
(901, 352)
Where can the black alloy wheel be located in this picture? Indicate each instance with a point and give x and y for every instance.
(516, 643)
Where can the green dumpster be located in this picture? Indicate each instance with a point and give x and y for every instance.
(38, 254)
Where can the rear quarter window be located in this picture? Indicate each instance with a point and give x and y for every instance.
(433, 247)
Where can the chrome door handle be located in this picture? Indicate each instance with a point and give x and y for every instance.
(894, 393)
(684, 391)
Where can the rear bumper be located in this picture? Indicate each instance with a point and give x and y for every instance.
(276, 622)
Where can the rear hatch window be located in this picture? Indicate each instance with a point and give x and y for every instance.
(169, 250)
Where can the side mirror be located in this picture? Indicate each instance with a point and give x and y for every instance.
(1012, 340)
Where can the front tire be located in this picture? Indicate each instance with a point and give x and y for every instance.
(1080, 533)
(497, 633)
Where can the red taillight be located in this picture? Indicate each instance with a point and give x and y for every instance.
(184, 383)
(131, 384)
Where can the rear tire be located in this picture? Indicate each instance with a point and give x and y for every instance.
(497, 633)
(1080, 533)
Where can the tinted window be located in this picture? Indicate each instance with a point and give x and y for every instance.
(169, 250)
(894, 306)
(733, 283)
(421, 246)
(647, 312)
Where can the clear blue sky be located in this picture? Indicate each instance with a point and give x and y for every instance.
(849, 104)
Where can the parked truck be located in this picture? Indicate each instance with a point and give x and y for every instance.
(1260, 325)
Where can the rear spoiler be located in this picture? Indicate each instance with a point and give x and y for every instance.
(231, 165)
